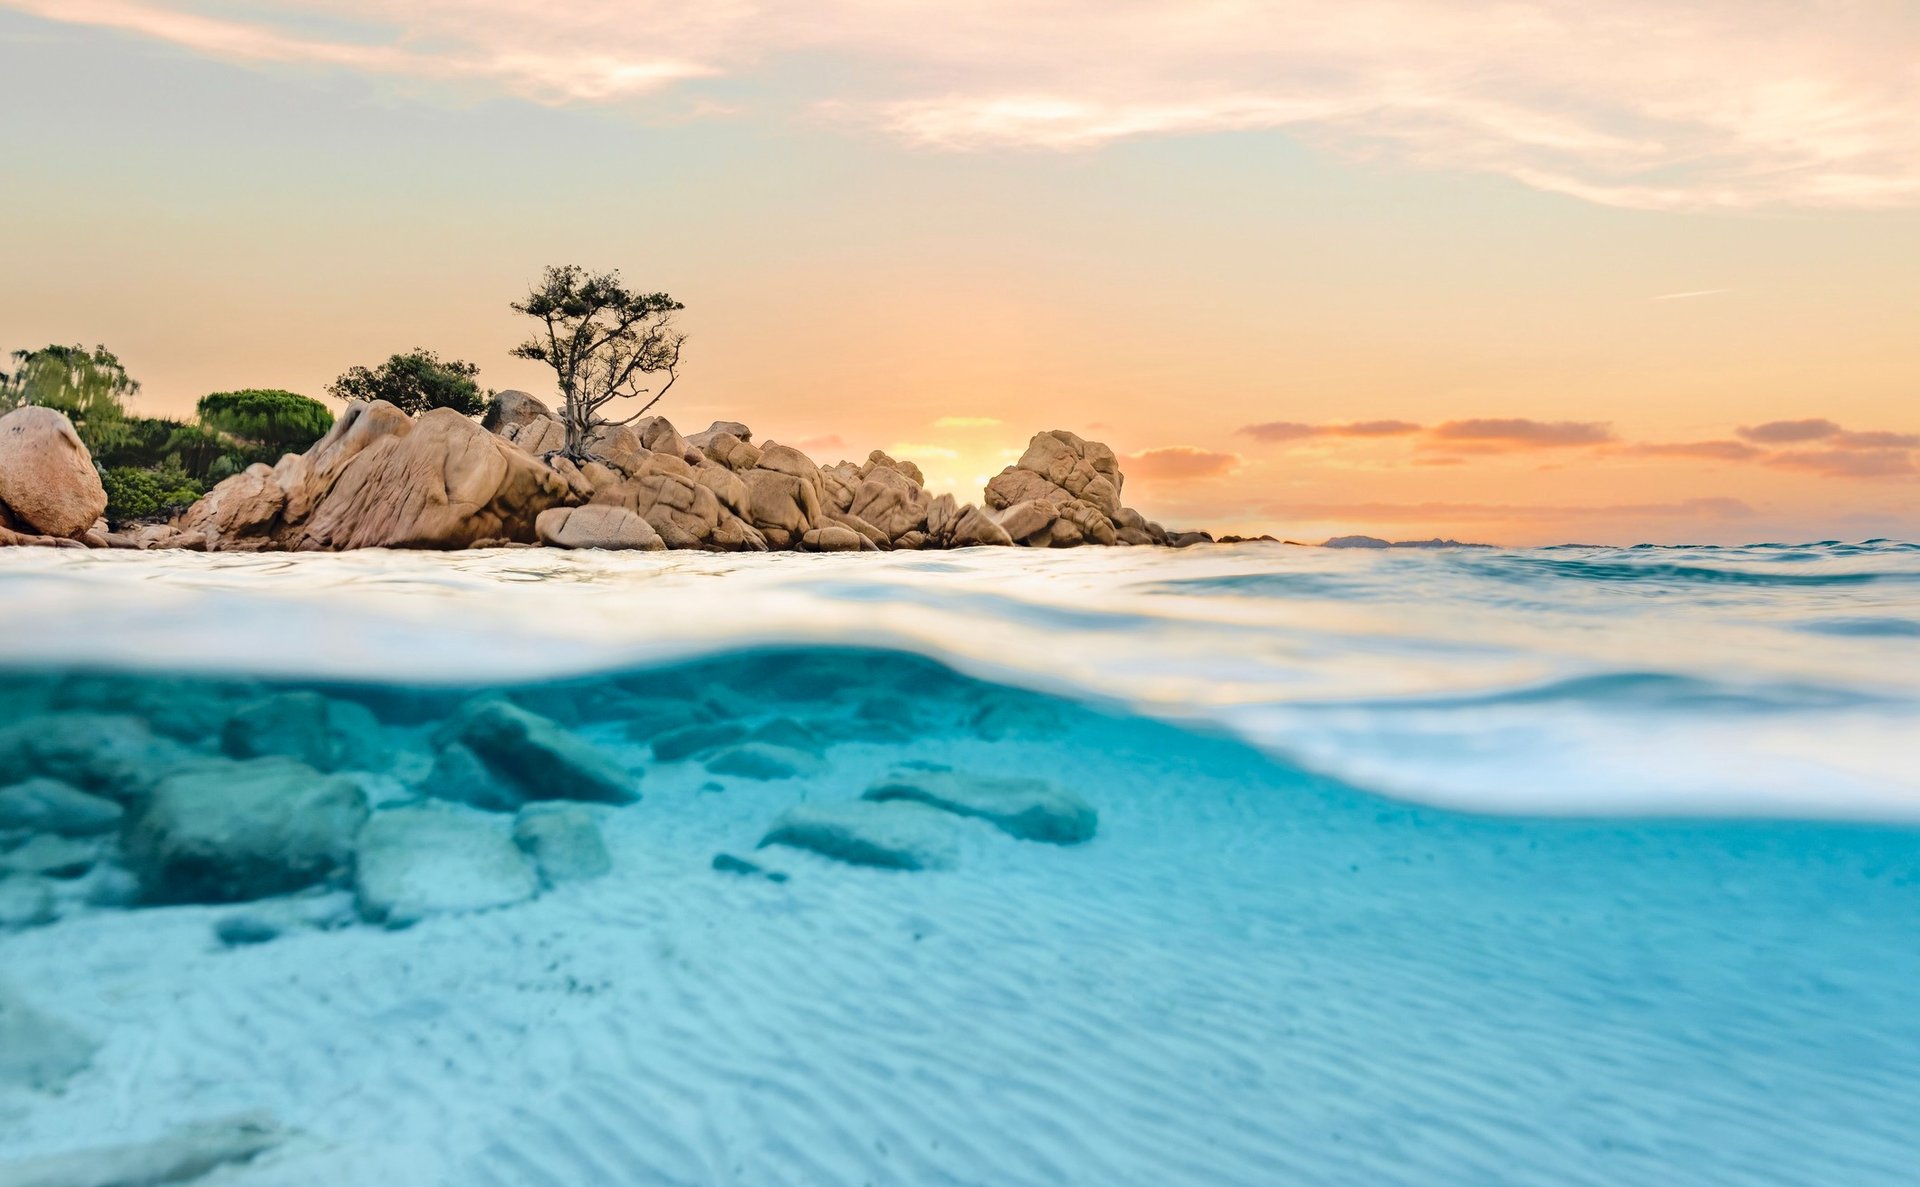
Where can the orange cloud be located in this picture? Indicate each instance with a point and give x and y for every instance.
(1720, 507)
(1180, 463)
(1724, 451)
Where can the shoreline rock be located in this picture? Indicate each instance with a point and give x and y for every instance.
(382, 479)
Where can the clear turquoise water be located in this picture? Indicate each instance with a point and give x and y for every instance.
(1560, 866)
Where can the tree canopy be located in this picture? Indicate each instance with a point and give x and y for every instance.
(415, 382)
(280, 421)
(603, 341)
(89, 386)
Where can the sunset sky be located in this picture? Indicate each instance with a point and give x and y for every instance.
(1524, 272)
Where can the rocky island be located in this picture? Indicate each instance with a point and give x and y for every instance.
(380, 478)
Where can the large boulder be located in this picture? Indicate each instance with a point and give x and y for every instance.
(447, 483)
(785, 507)
(225, 831)
(380, 479)
(597, 526)
(434, 859)
(47, 480)
(680, 502)
(891, 500)
(513, 409)
(1064, 490)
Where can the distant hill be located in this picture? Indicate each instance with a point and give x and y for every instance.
(1377, 542)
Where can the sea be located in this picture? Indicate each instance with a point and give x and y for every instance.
(1552, 866)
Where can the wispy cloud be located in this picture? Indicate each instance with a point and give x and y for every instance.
(1808, 105)
(1724, 451)
(967, 422)
(1287, 430)
(1180, 463)
(1849, 463)
(1718, 507)
(1521, 432)
(1689, 296)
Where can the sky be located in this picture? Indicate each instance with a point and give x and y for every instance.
(1523, 272)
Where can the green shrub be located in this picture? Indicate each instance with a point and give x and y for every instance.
(136, 494)
(277, 421)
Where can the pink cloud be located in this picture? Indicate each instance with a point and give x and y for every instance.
(1785, 432)
(1724, 451)
(1849, 463)
(1180, 463)
(1802, 108)
(1287, 430)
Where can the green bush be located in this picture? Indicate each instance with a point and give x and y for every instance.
(277, 421)
(134, 493)
(414, 383)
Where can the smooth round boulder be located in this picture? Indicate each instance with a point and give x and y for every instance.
(47, 477)
(597, 525)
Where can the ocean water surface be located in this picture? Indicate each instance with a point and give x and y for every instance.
(1549, 866)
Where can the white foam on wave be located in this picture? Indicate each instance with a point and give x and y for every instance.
(1387, 669)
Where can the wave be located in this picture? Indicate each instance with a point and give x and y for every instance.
(1532, 681)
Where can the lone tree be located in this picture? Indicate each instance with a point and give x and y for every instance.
(603, 341)
(415, 382)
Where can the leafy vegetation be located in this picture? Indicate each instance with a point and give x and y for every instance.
(278, 421)
(89, 386)
(134, 493)
(416, 382)
(152, 466)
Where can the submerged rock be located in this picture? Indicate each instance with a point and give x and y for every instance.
(1031, 809)
(727, 863)
(435, 859)
(189, 1153)
(762, 760)
(564, 842)
(49, 856)
(899, 836)
(50, 806)
(37, 1050)
(538, 758)
(25, 903)
(323, 732)
(688, 741)
(109, 754)
(228, 831)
